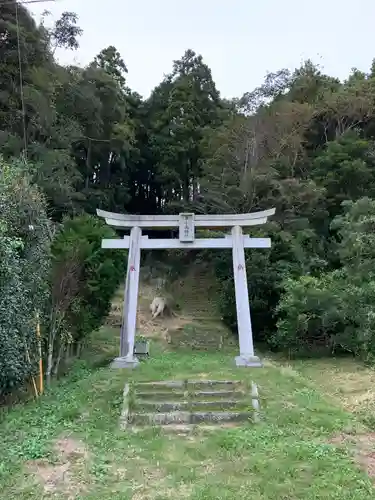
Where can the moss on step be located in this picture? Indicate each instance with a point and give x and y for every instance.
(190, 402)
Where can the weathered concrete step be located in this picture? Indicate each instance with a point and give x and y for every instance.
(161, 406)
(160, 395)
(226, 394)
(185, 417)
(163, 383)
(187, 385)
(179, 396)
(213, 383)
(220, 416)
(185, 429)
(169, 406)
(200, 341)
(174, 417)
(203, 346)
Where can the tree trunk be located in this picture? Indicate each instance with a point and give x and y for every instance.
(49, 363)
(79, 349)
(58, 360)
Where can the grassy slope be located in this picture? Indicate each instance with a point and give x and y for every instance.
(287, 456)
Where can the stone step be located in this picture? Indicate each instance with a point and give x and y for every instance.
(186, 429)
(179, 396)
(185, 417)
(187, 384)
(196, 346)
(175, 384)
(160, 395)
(161, 406)
(189, 389)
(220, 416)
(197, 340)
(225, 394)
(166, 418)
(170, 406)
(213, 383)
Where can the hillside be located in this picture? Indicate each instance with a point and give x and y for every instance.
(196, 322)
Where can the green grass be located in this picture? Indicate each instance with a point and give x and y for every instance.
(289, 455)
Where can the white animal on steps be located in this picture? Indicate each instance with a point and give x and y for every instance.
(157, 307)
(161, 305)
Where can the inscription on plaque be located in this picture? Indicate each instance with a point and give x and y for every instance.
(186, 228)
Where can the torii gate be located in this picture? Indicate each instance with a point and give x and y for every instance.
(186, 222)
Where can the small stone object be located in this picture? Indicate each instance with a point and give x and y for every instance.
(142, 347)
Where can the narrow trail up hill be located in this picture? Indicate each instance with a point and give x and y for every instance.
(196, 322)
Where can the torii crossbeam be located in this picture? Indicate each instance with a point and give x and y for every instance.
(186, 222)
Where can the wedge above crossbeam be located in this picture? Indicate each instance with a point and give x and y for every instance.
(171, 243)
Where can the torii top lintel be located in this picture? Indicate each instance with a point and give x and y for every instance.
(126, 221)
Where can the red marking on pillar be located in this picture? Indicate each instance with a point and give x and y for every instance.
(132, 268)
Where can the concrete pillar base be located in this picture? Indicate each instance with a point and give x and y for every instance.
(125, 362)
(248, 361)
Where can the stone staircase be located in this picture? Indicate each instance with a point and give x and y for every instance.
(198, 296)
(203, 334)
(188, 403)
(198, 292)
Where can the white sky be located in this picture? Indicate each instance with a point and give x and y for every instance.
(239, 39)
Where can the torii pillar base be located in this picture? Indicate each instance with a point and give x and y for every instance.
(248, 361)
(125, 362)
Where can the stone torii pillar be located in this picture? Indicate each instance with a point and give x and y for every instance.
(186, 222)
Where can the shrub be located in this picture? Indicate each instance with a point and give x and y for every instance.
(310, 314)
(336, 309)
(266, 270)
(24, 268)
(84, 279)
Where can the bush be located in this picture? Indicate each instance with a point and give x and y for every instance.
(84, 279)
(24, 268)
(326, 315)
(310, 314)
(337, 309)
(289, 256)
(262, 287)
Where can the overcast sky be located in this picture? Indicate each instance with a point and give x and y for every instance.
(239, 39)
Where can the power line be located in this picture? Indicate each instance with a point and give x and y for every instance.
(21, 84)
(24, 2)
(20, 66)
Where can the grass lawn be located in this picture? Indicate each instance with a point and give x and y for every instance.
(68, 444)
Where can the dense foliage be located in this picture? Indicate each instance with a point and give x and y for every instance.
(95, 273)
(83, 281)
(24, 271)
(302, 142)
(335, 309)
(60, 272)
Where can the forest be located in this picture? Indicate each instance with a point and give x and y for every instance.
(74, 139)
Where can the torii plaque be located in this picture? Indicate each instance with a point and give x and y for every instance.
(186, 222)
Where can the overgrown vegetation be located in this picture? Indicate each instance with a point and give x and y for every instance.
(84, 279)
(24, 272)
(336, 309)
(302, 142)
(56, 271)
